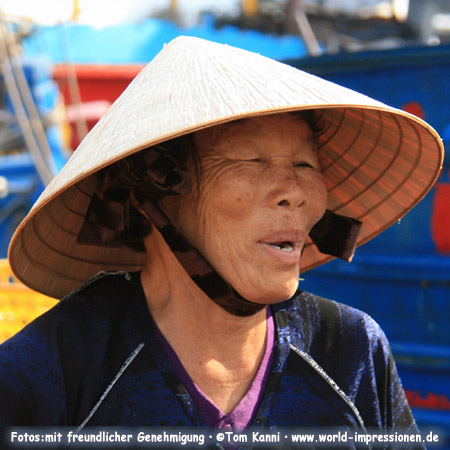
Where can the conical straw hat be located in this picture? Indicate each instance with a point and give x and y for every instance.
(378, 161)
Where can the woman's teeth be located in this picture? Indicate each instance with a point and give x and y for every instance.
(285, 246)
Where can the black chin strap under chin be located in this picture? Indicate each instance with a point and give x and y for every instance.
(197, 267)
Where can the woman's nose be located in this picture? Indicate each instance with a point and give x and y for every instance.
(286, 190)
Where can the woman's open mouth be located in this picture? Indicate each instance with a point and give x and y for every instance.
(285, 246)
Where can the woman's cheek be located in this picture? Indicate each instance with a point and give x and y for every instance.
(318, 195)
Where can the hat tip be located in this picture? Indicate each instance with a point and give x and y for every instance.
(191, 40)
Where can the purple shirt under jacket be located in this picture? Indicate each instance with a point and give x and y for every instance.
(243, 413)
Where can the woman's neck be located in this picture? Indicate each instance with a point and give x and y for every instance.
(221, 352)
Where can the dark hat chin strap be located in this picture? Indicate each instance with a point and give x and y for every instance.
(197, 267)
(150, 175)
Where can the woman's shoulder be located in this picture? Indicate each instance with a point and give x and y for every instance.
(92, 304)
(63, 351)
(324, 326)
(105, 294)
(354, 352)
(102, 288)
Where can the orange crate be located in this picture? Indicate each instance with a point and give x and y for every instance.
(19, 305)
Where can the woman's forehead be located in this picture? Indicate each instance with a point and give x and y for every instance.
(255, 128)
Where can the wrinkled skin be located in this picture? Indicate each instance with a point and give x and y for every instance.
(259, 193)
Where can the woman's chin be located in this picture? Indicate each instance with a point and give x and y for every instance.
(269, 295)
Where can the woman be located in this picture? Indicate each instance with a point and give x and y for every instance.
(212, 182)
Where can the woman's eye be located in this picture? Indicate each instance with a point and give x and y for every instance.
(253, 160)
(303, 164)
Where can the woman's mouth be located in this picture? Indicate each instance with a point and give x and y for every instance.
(284, 246)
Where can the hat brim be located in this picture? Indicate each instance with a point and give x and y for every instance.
(378, 161)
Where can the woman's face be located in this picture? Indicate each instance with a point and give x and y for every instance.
(260, 191)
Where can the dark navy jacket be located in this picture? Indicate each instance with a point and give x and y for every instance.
(93, 359)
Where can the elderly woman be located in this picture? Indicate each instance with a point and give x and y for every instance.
(191, 208)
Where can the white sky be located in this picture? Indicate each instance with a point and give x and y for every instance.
(110, 12)
(106, 12)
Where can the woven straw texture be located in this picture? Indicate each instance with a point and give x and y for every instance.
(378, 161)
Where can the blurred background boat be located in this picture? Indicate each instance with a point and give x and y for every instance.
(395, 51)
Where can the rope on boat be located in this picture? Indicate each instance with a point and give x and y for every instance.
(25, 108)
